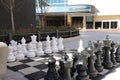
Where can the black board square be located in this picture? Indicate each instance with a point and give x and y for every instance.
(18, 67)
(36, 76)
(41, 66)
(26, 60)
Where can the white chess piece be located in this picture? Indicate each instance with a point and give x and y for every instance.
(34, 42)
(19, 55)
(54, 44)
(39, 51)
(48, 45)
(60, 44)
(31, 52)
(24, 45)
(11, 56)
(80, 48)
(14, 45)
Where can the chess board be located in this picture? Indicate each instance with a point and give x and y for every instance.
(36, 68)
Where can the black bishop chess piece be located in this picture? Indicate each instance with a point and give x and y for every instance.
(106, 54)
(91, 68)
(98, 52)
(113, 53)
(65, 67)
(117, 54)
(52, 73)
(82, 72)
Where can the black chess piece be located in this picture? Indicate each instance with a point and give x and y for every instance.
(65, 68)
(106, 51)
(117, 54)
(52, 73)
(112, 53)
(82, 72)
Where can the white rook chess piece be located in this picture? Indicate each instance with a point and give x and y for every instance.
(80, 48)
(24, 45)
(11, 56)
(60, 44)
(54, 44)
(19, 55)
(31, 52)
(48, 45)
(39, 51)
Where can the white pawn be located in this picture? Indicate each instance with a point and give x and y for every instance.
(31, 52)
(54, 45)
(24, 49)
(48, 45)
(19, 54)
(80, 48)
(39, 51)
(60, 44)
(11, 56)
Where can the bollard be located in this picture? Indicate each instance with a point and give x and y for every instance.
(3, 58)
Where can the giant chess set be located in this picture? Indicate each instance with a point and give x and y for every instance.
(55, 62)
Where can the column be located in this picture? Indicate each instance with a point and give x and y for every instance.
(109, 24)
(84, 22)
(101, 24)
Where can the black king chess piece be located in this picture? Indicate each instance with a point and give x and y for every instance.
(98, 52)
(65, 67)
(106, 54)
(117, 54)
(52, 73)
(113, 53)
(91, 68)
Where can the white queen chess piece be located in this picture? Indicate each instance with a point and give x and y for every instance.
(48, 45)
(80, 48)
(11, 56)
(39, 51)
(19, 55)
(54, 44)
(31, 52)
(60, 44)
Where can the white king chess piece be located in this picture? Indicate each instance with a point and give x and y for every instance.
(11, 56)
(31, 52)
(54, 44)
(80, 48)
(60, 44)
(19, 54)
(48, 45)
(39, 51)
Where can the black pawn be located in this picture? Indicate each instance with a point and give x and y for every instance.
(91, 68)
(82, 74)
(117, 55)
(52, 73)
(98, 63)
(106, 58)
(112, 53)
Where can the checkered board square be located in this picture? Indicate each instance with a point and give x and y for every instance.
(36, 68)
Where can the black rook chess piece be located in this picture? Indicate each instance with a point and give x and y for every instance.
(106, 51)
(52, 73)
(82, 72)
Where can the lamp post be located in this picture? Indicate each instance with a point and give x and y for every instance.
(65, 13)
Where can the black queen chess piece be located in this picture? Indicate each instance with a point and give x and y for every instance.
(65, 67)
(51, 73)
(106, 53)
(98, 52)
(91, 68)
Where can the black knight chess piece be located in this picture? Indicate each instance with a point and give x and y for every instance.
(117, 54)
(106, 54)
(113, 53)
(98, 52)
(82, 72)
(52, 73)
(65, 68)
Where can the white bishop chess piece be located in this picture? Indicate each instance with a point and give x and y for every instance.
(80, 48)
(11, 56)
(48, 45)
(31, 52)
(54, 44)
(19, 55)
(24, 45)
(39, 51)
(60, 44)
